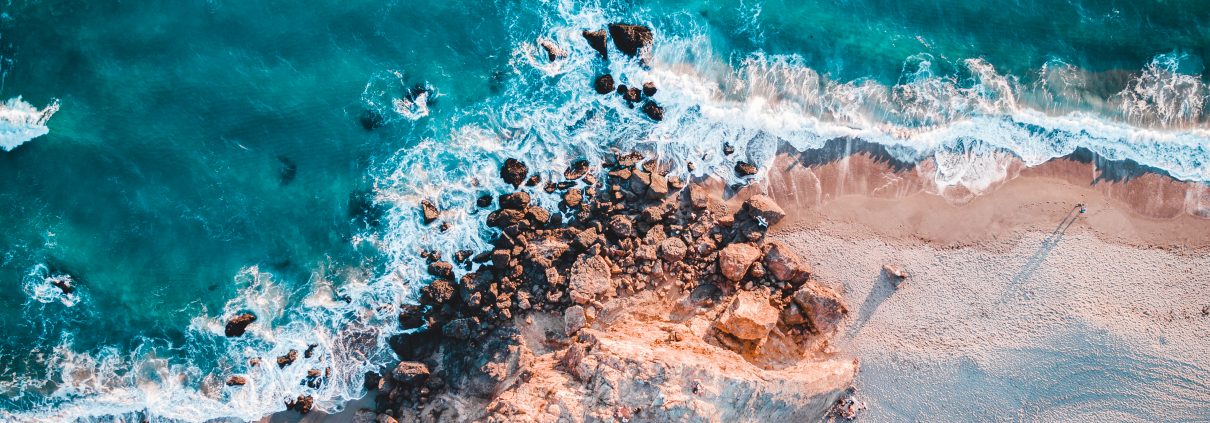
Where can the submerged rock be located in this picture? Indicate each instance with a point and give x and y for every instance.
(237, 325)
(629, 39)
(596, 39)
(576, 170)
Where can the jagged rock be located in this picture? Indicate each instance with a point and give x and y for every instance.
(410, 373)
(237, 381)
(553, 51)
(484, 201)
(763, 207)
(288, 359)
(437, 292)
(586, 238)
(516, 201)
(545, 251)
(743, 168)
(784, 264)
(735, 259)
(590, 277)
(491, 367)
(237, 325)
(649, 88)
(658, 188)
(673, 250)
(576, 170)
(653, 111)
(621, 226)
(573, 197)
(574, 319)
(533, 181)
(441, 269)
(603, 84)
(310, 351)
(538, 215)
(895, 273)
(504, 218)
(728, 149)
(596, 39)
(302, 404)
(630, 94)
(514, 172)
(822, 306)
(410, 316)
(429, 211)
(749, 317)
(698, 196)
(629, 39)
(458, 328)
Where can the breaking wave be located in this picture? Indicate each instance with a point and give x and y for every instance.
(21, 122)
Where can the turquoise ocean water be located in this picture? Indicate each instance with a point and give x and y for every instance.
(183, 161)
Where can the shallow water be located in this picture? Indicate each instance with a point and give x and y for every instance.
(208, 158)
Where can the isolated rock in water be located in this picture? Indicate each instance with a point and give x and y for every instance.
(238, 324)
(735, 259)
(574, 319)
(288, 359)
(516, 201)
(763, 207)
(749, 317)
(67, 286)
(744, 169)
(784, 264)
(514, 172)
(302, 404)
(822, 306)
(649, 88)
(629, 39)
(630, 94)
(596, 39)
(603, 84)
(653, 111)
(237, 381)
(576, 170)
(429, 211)
(553, 51)
(589, 278)
(484, 201)
(410, 373)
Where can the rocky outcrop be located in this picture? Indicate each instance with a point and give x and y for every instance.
(514, 172)
(597, 40)
(822, 307)
(653, 111)
(743, 168)
(784, 264)
(553, 51)
(630, 39)
(237, 381)
(236, 326)
(735, 259)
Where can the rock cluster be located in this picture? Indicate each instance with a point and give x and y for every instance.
(635, 230)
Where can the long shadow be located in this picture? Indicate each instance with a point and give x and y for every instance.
(838, 148)
(1048, 244)
(879, 293)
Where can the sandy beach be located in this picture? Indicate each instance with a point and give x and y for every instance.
(1018, 307)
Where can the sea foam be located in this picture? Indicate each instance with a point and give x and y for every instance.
(21, 122)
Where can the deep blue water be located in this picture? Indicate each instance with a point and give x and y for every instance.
(210, 157)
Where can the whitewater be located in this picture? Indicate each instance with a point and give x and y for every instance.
(971, 125)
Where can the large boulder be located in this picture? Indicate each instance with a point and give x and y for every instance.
(743, 168)
(784, 264)
(514, 172)
(596, 39)
(410, 373)
(429, 211)
(735, 259)
(653, 111)
(673, 249)
(749, 317)
(823, 307)
(590, 277)
(603, 85)
(239, 324)
(515, 201)
(629, 39)
(574, 319)
(762, 207)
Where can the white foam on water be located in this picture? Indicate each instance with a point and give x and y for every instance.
(21, 122)
(41, 285)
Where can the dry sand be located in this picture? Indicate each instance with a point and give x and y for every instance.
(1007, 315)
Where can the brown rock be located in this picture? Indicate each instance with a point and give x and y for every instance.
(630, 38)
(514, 172)
(590, 277)
(784, 264)
(630, 94)
(302, 404)
(621, 226)
(410, 373)
(237, 381)
(649, 88)
(429, 211)
(287, 359)
(573, 198)
(653, 111)
(596, 39)
(437, 292)
(735, 259)
(484, 201)
(673, 250)
(411, 316)
(762, 207)
(441, 269)
(459, 328)
(239, 324)
(743, 168)
(603, 84)
(574, 319)
(553, 51)
(749, 317)
(515, 201)
(577, 169)
(822, 306)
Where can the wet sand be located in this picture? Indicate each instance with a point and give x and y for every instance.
(1018, 307)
